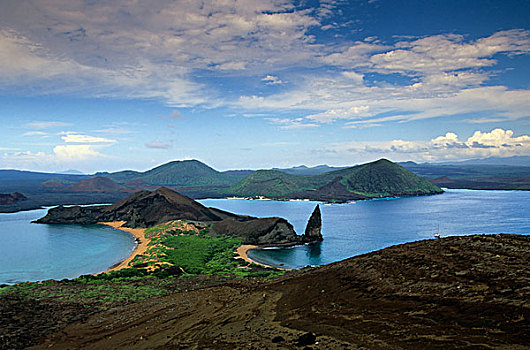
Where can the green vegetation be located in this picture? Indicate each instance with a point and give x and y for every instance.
(274, 183)
(175, 257)
(384, 178)
(189, 173)
(377, 179)
(195, 252)
(210, 255)
(93, 289)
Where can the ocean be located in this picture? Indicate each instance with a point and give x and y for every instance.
(34, 252)
(360, 227)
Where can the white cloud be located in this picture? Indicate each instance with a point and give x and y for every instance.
(46, 125)
(354, 56)
(73, 153)
(34, 133)
(79, 138)
(115, 131)
(335, 114)
(496, 143)
(157, 144)
(449, 52)
(147, 50)
(272, 80)
(296, 123)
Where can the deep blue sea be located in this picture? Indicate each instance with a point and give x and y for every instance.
(36, 252)
(360, 227)
(33, 252)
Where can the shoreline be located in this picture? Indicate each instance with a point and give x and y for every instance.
(242, 252)
(141, 244)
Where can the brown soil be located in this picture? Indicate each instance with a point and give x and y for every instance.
(458, 292)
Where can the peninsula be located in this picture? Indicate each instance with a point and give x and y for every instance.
(147, 209)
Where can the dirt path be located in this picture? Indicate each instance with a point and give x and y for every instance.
(141, 247)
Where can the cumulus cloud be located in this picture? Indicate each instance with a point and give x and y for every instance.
(496, 143)
(272, 80)
(73, 153)
(60, 157)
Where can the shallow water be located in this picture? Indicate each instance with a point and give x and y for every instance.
(36, 252)
(360, 227)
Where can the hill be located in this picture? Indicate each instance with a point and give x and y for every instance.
(11, 198)
(185, 173)
(148, 209)
(96, 184)
(308, 171)
(381, 178)
(474, 176)
(468, 292)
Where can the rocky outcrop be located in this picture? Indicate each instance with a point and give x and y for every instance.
(266, 231)
(72, 215)
(11, 198)
(140, 209)
(313, 230)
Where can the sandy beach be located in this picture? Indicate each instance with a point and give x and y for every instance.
(141, 247)
(242, 251)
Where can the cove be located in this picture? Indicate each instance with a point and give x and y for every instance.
(36, 252)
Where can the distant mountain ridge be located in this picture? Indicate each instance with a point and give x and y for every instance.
(381, 178)
(308, 171)
(180, 173)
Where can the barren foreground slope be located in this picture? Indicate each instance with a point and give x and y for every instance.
(459, 292)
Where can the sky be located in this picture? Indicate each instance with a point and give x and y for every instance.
(124, 84)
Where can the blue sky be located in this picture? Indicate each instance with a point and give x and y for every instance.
(111, 85)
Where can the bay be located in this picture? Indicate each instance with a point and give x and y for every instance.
(360, 227)
(36, 252)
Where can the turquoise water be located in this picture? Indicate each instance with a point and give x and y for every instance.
(36, 252)
(360, 227)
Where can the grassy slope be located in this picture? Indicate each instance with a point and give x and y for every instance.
(277, 183)
(380, 178)
(196, 253)
(187, 173)
(386, 178)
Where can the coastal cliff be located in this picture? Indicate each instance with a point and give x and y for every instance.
(147, 209)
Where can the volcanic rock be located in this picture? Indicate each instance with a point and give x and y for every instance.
(11, 198)
(97, 184)
(314, 226)
(264, 231)
(147, 209)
